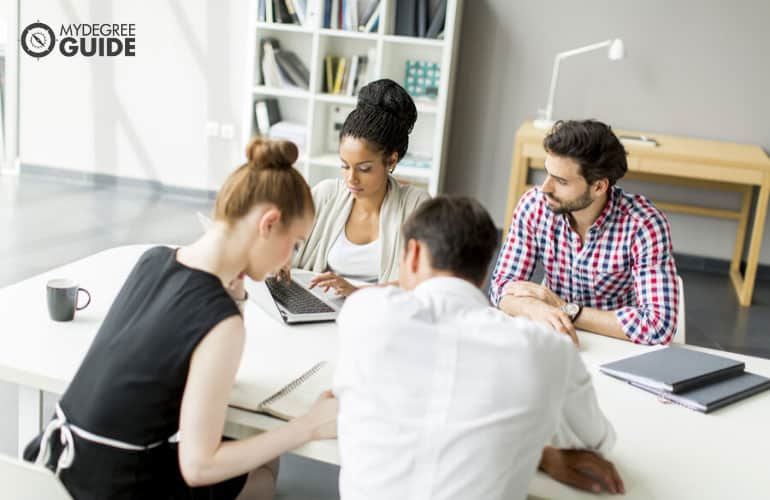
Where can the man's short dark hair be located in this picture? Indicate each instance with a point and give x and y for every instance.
(592, 144)
(459, 234)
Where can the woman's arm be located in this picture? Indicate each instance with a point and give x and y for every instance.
(203, 457)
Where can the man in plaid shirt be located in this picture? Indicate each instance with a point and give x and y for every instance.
(606, 253)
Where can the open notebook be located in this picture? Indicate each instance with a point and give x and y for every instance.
(293, 399)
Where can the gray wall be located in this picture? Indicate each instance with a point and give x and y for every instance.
(698, 68)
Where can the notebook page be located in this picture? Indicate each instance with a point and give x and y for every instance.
(297, 397)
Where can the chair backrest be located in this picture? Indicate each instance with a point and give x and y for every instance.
(679, 336)
(22, 480)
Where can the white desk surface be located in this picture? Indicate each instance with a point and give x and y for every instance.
(663, 450)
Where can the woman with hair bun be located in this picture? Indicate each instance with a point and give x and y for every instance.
(357, 228)
(166, 355)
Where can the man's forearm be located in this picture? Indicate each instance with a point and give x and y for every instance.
(512, 305)
(601, 322)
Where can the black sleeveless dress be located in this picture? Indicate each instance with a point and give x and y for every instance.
(130, 384)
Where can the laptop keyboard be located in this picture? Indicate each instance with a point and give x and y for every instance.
(296, 299)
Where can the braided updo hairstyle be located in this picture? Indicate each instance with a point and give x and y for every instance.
(384, 116)
(267, 177)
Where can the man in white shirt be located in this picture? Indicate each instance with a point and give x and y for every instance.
(444, 397)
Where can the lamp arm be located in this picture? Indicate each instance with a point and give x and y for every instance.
(555, 75)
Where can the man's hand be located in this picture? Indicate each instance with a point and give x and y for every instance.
(539, 311)
(581, 469)
(529, 289)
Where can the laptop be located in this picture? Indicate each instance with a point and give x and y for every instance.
(296, 303)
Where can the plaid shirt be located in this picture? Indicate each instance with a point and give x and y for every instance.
(625, 264)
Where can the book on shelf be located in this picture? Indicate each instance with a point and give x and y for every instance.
(422, 18)
(294, 68)
(351, 77)
(301, 8)
(346, 76)
(282, 11)
(328, 81)
(350, 8)
(369, 12)
(436, 27)
(270, 75)
(266, 113)
(282, 68)
(335, 13)
(291, 11)
(261, 14)
(339, 76)
(414, 19)
(406, 18)
(351, 15)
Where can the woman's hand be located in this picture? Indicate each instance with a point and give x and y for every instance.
(322, 417)
(236, 288)
(331, 280)
(284, 274)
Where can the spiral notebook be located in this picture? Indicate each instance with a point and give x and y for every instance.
(296, 397)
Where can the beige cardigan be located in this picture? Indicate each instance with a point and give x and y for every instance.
(333, 203)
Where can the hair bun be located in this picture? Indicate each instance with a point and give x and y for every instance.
(271, 154)
(390, 97)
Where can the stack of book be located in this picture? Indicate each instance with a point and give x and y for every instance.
(282, 68)
(345, 76)
(414, 19)
(352, 15)
(694, 379)
(282, 11)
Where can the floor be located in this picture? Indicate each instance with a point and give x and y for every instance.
(49, 222)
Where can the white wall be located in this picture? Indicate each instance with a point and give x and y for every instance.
(143, 116)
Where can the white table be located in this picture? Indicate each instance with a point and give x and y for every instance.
(663, 450)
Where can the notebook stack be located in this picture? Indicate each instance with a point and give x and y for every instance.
(696, 380)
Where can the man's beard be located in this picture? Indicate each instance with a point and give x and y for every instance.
(566, 207)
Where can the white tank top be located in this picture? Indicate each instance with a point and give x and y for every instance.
(361, 262)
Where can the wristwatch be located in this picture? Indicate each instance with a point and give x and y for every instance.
(572, 310)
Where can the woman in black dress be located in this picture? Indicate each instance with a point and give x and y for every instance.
(167, 353)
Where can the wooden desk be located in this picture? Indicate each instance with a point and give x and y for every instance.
(662, 450)
(686, 162)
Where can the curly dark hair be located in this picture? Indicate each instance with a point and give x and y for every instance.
(593, 145)
(385, 115)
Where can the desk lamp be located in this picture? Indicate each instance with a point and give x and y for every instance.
(614, 53)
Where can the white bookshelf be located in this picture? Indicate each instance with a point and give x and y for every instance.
(312, 42)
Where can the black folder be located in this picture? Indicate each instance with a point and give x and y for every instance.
(673, 369)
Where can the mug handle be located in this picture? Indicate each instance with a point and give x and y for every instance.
(86, 304)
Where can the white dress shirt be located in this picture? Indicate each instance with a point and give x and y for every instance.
(444, 397)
